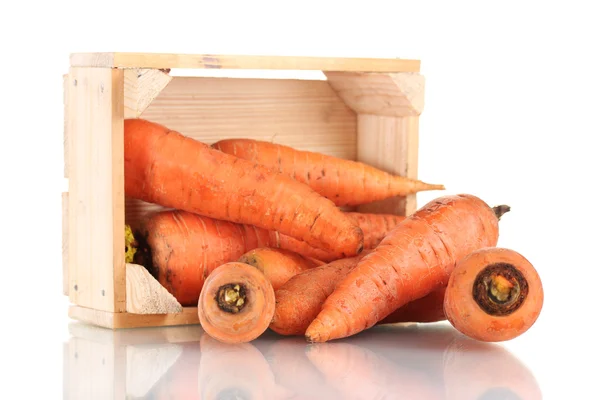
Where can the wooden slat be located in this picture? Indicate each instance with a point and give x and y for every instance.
(141, 88)
(66, 84)
(96, 194)
(65, 242)
(145, 295)
(119, 320)
(304, 114)
(388, 106)
(391, 144)
(398, 94)
(124, 337)
(226, 61)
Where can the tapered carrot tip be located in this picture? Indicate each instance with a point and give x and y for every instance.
(494, 294)
(236, 304)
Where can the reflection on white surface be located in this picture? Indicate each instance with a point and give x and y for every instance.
(386, 362)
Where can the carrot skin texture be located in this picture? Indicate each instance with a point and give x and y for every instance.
(465, 314)
(164, 167)
(300, 299)
(374, 227)
(345, 182)
(276, 264)
(184, 248)
(413, 260)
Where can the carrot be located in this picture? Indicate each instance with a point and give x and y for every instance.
(164, 167)
(300, 299)
(374, 227)
(429, 308)
(276, 264)
(180, 248)
(413, 260)
(345, 182)
(494, 294)
(236, 304)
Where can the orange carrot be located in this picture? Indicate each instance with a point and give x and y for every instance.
(276, 264)
(345, 182)
(429, 308)
(236, 304)
(413, 260)
(180, 248)
(494, 294)
(374, 227)
(164, 167)
(300, 299)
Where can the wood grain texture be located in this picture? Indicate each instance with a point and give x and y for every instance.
(141, 88)
(145, 295)
(391, 144)
(119, 320)
(389, 94)
(125, 337)
(96, 195)
(226, 61)
(304, 114)
(65, 242)
(66, 84)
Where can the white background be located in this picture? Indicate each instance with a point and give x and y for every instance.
(511, 115)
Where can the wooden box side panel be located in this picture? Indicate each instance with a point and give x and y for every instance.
(388, 106)
(304, 114)
(96, 255)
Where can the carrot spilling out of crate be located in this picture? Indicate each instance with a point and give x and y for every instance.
(277, 265)
(494, 294)
(170, 169)
(299, 300)
(180, 249)
(236, 304)
(414, 259)
(345, 182)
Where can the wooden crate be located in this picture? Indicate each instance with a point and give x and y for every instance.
(361, 109)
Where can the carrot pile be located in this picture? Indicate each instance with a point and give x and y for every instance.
(253, 234)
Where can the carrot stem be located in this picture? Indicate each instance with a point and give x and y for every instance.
(501, 210)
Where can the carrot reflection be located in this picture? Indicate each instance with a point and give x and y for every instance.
(294, 371)
(491, 370)
(422, 362)
(235, 371)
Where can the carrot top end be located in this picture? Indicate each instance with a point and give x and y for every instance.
(131, 245)
(501, 210)
(500, 289)
(231, 297)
